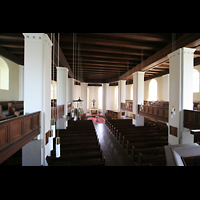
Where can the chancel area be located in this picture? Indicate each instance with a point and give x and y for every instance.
(99, 99)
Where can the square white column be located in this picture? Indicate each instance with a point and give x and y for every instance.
(84, 96)
(37, 93)
(166, 87)
(105, 98)
(180, 93)
(62, 88)
(121, 94)
(138, 97)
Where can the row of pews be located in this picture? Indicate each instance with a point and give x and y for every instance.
(10, 109)
(79, 146)
(145, 144)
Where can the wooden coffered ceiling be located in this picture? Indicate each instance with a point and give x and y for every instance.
(108, 57)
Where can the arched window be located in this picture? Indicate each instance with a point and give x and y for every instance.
(4, 75)
(116, 98)
(195, 80)
(153, 90)
(100, 98)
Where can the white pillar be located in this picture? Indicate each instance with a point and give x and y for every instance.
(62, 80)
(138, 97)
(180, 93)
(121, 94)
(84, 96)
(37, 93)
(21, 82)
(166, 87)
(104, 98)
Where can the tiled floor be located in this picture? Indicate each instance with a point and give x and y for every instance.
(113, 152)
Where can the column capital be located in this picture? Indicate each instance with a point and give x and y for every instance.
(139, 73)
(38, 37)
(21, 66)
(183, 50)
(121, 81)
(62, 69)
(166, 75)
(84, 83)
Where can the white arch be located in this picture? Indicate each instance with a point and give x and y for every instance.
(4, 75)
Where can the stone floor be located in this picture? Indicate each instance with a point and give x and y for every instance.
(112, 150)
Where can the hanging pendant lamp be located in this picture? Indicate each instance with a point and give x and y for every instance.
(50, 140)
(58, 147)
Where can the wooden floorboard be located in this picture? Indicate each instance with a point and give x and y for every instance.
(113, 152)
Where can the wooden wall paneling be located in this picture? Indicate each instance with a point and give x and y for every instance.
(161, 112)
(173, 131)
(27, 125)
(150, 110)
(4, 140)
(158, 113)
(35, 120)
(191, 119)
(16, 132)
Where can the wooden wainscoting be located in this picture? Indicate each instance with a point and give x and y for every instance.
(16, 132)
(57, 112)
(191, 119)
(156, 112)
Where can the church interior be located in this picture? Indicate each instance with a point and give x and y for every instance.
(99, 99)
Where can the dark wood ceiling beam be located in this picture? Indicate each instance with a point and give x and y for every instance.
(138, 36)
(11, 36)
(104, 55)
(157, 75)
(99, 68)
(62, 60)
(190, 40)
(113, 43)
(114, 50)
(97, 71)
(12, 44)
(84, 59)
(104, 65)
(11, 56)
(156, 69)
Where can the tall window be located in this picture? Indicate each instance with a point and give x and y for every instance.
(195, 81)
(100, 97)
(4, 75)
(116, 98)
(153, 90)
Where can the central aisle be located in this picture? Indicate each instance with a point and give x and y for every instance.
(113, 152)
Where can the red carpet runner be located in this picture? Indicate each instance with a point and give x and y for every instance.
(100, 119)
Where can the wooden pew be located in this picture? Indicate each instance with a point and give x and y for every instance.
(147, 140)
(79, 146)
(76, 159)
(151, 158)
(154, 150)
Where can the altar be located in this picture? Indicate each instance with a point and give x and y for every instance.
(93, 111)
